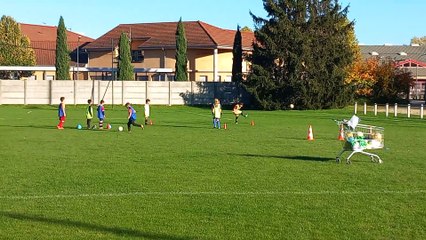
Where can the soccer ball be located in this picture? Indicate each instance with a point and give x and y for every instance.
(79, 126)
(120, 128)
(292, 106)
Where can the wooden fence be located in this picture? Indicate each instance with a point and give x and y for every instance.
(409, 111)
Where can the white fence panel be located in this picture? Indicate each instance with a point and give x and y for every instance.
(62, 89)
(37, 92)
(177, 91)
(83, 91)
(12, 92)
(158, 92)
(114, 92)
(134, 92)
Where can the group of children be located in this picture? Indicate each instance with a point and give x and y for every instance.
(131, 114)
(217, 112)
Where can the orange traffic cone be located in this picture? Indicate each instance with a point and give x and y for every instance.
(252, 123)
(341, 134)
(310, 134)
(150, 122)
(225, 126)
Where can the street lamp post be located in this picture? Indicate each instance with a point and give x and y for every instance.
(78, 55)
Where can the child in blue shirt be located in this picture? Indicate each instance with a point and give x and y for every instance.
(131, 116)
(101, 114)
(61, 113)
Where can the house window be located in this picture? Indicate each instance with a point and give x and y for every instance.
(142, 78)
(170, 77)
(137, 56)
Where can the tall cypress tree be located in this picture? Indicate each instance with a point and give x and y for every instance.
(181, 55)
(62, 63)
(237, 60)
(300, 55)
(125, 67)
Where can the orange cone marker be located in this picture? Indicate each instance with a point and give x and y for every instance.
(341, 134)
(310, 134)
(252, 123)
(225, 126)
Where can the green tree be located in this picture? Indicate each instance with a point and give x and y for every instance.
(15, 49)
(181, 55)
(125, 67)
(237, 60)
(301, 55)
(246, 29)
(391, 83)
(62, 63)
(419, 40)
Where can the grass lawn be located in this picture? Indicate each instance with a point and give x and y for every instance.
(182, 179)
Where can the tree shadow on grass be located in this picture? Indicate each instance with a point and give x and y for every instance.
(89, 226)
(36, 126)
(29, 126)
(300, 157)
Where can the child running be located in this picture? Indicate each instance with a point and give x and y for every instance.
(147, 111)
(89, 113)
(61, 113)
(101, 114)
(131, 116)
(237, 111)
(217, 113)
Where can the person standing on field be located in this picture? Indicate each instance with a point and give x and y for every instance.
(101, 114)
(131, 116)
(147, 111)
(237, 111)
(61, 113)
(217, 113)
(89, 113)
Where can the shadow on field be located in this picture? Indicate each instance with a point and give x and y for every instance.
(92, 227)
(30, 126)
(303, 158)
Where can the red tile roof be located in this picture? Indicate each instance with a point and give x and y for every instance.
(43, 41)
(162, 35)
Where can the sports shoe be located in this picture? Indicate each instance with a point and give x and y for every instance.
(142, 127)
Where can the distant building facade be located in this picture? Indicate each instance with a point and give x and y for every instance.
(410, 57)
(153, 47)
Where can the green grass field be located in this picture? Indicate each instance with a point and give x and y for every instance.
(182, 179)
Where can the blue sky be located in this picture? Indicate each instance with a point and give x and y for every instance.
(376, 21)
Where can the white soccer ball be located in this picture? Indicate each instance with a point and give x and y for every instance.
(120, 128)
(292, 106)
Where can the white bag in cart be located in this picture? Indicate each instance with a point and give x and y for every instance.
(353, 122)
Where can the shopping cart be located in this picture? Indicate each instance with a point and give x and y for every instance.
(360, 137)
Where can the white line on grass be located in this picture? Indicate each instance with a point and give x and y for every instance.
(98, 195)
